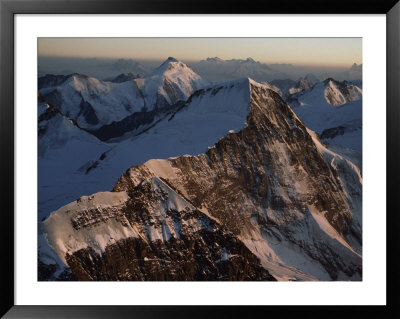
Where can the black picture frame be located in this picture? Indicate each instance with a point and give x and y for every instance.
(8, 8)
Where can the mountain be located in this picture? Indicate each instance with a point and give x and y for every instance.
(123, 77)
(311, 79)
(89, 101)
(216, 69)
(149, 234)
(190, 130)
(171, 82)
(334, 110)
(70, 148)
(63, 147)
(351, 74)
(123, 65)
(239, 169)
(339, 93)
(284, 86)
(289, 87)
(272, 87)
(330, 91)
(109, 109)
(99, 68)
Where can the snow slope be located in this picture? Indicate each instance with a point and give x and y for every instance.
(147, 233)
(172, 80)
(334, 110)
(72, 162)
(65, 238)
(93, 103)
(62, 148)
(208, 116)
(68, 154)
(330, 92)
(80, 164)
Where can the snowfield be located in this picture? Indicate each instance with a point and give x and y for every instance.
(326, 108)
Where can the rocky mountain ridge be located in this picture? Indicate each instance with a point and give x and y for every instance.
(281, 194)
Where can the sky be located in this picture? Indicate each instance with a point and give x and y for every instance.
(329, 52)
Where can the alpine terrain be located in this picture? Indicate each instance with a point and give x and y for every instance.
(170, 177)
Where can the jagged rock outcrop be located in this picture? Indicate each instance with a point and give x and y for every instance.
(148, 233)
(339, 93)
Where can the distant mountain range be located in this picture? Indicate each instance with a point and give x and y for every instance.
(212, 69)
(167, 176)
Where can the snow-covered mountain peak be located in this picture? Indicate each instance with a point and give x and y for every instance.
(330, 91)
(171, 82)
(100, 106)
(334, 110)
(88, 85)
(338, 93)
(170, 65)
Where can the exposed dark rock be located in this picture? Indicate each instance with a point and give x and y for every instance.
(51, 80)
(54, 98)
(200, 249)
(254, 166)
(344, 87)
(190, 258)
(87, 111)
(340, 130)
(124, 77)
(50, 112)
(133, 122)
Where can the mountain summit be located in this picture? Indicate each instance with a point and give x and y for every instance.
(171, 82)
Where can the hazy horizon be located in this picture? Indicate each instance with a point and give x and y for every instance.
(187, 61)
(103, 68)
(302, 52)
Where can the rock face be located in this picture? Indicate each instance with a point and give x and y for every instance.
(123, 77)
(271, 180)
(268, 199)
(138, 122)
(148, 233)
(339, 93)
